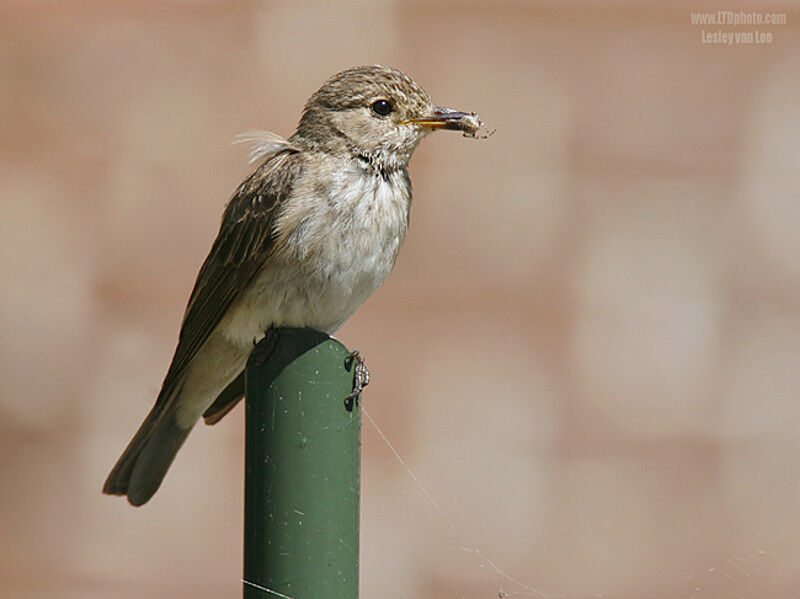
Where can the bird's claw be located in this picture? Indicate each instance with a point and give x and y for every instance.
(360, 377)
(263, 348)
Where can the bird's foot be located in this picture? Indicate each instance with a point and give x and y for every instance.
(263, 348)
(360, 377)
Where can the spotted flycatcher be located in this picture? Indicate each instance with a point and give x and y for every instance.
(303, 242)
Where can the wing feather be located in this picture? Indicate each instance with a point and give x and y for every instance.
(242, 246)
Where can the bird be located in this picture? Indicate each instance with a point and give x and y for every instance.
(303, 242)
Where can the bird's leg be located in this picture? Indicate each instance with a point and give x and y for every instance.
(360, 376)
(263, 348)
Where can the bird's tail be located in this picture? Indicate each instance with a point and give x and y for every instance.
(141, 467)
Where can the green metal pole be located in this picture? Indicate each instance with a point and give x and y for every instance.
(302, 469)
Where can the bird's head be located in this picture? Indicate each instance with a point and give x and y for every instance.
(377, 113)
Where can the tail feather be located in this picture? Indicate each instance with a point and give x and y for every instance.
(142, 466)
(118, 479)
(154, 460)
(144, 463)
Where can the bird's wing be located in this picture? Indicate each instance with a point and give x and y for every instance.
(242, 246)
(226, 401)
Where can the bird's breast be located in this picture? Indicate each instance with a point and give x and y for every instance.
(341, 241)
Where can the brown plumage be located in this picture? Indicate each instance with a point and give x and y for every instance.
(303, 242)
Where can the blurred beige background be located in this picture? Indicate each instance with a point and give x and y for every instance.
(589, 351)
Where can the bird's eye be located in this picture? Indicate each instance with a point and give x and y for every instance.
(382, 107)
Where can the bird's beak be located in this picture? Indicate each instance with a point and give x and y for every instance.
(445, 118)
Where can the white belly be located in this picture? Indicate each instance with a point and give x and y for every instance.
(342, 251)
